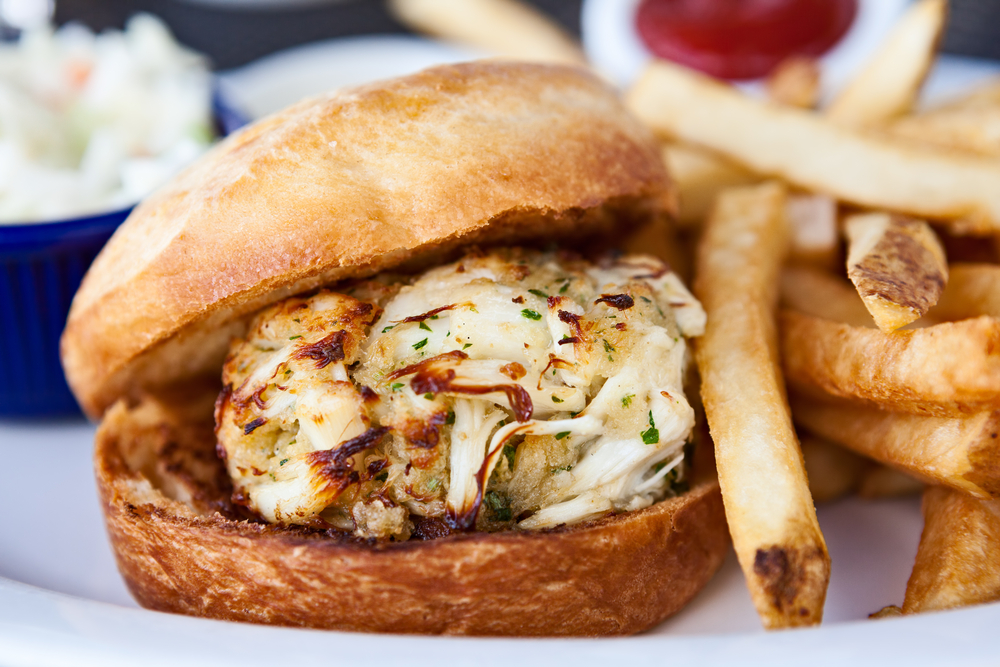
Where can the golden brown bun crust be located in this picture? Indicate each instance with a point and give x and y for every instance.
(615, 576)
(346, 185)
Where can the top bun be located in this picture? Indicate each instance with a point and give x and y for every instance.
(393, 174)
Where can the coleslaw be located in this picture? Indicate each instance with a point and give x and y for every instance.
(92, 123)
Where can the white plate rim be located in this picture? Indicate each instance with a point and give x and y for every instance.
(40, 627)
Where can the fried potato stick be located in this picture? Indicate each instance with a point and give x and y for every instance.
(972, 290)
(971, 123)
(698, 176)
(960, 452)
(959, 551)
(768, 506)
(815, 292)
(506, 27)
(795, 82)
(880, 481)
(889, 84)
(948, 369)
(814, 153)
(897, 265)
(815, 237)
(833, 470)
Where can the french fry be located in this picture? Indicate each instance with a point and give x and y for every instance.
(897, 265)
(879, 481)
(795, 82)
(971, 123)
(813, 221)
(888, 86)
(961, 452)
(973, 290)
(948, 369)
(959, 550)
(698, 177)
(768, 506)
(891, 611)
(833, 471)
(815, 292)
(974, 131)
(505, 27)
(984, 96)
(813, 153)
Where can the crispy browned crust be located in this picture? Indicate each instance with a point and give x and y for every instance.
(946, 370)
(349, 184)
(615, 576)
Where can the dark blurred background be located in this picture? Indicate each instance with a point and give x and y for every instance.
(232, 37)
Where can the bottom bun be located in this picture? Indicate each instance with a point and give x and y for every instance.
(183, 547)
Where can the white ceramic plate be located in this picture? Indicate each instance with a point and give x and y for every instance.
(63, 603)
(278, 80)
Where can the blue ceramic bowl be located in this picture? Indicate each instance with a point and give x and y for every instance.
(41, 266)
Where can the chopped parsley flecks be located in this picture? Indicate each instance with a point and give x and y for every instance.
(509, 451)
(450, 419)
(294, 337)
(467, 346)
(498, 506)
(651, 436)
(530, 314)
(391, 326)
(429, 396)
(423, 325)
(560, 436)
(396, 386)
(556, 399)
(282, 462)
(672, 478)
(627, 400)
(420, 344)
(539, 293)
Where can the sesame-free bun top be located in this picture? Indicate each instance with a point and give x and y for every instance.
(395, 173)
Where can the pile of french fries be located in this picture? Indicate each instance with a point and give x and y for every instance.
(831, 258)
(839, 250)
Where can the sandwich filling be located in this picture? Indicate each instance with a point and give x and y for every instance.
(514, 389)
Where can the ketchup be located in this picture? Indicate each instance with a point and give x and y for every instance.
(741, 39)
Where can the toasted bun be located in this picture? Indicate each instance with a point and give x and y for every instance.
(346, 185)
(397, 174)
(182, 549)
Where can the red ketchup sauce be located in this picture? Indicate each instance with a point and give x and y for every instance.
(741, 39)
